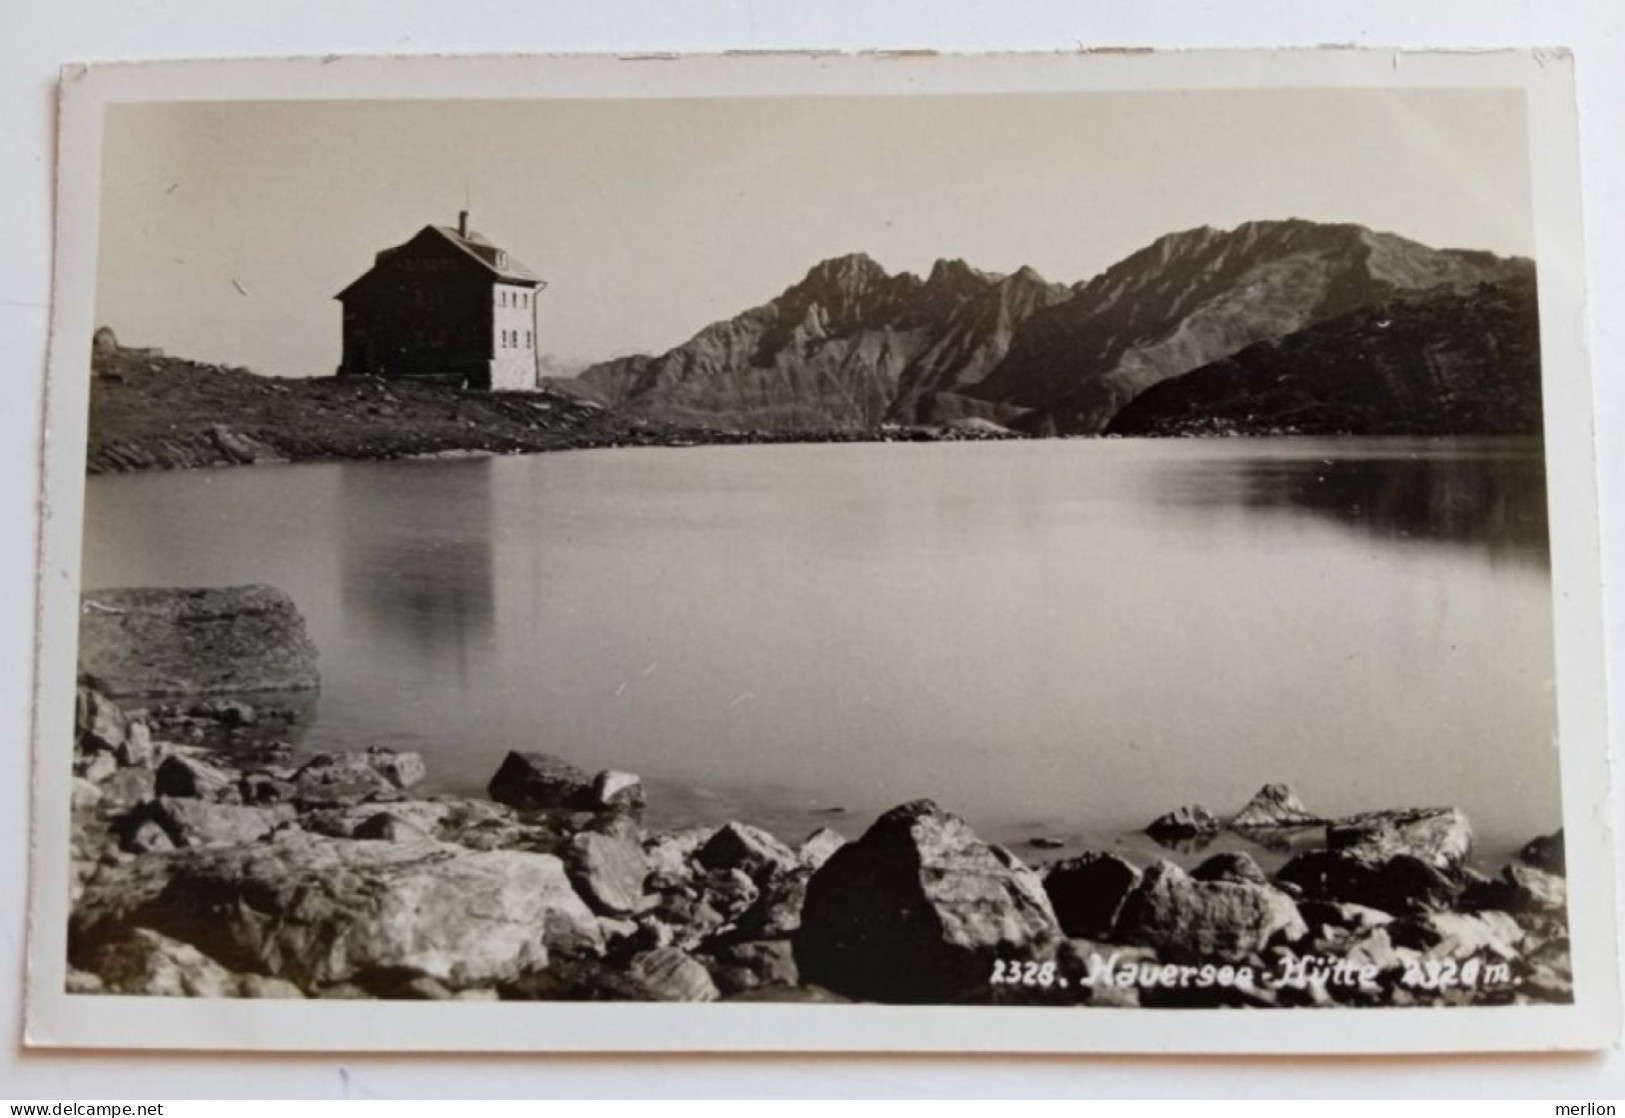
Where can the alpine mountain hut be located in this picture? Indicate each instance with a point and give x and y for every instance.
(447, 306)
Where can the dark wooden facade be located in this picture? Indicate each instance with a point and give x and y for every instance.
(447, 305)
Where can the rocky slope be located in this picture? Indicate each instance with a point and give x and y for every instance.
(209, 860)
(850, 345)
(1195, 297)
(1446, 362)
(153, 412)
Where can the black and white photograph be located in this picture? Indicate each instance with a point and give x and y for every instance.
(1071, 539)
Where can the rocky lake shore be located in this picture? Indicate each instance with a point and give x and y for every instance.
(150, 411)
(212, 859)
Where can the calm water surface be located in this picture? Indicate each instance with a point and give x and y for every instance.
(1063, 638)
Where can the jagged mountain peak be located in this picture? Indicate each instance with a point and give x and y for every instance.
(956, 270)
(851, 344)
(854, 268)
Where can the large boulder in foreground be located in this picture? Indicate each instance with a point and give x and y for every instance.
(154, 965)
(533, 781)
(1439, 836)
(1396, 884)
(319, 911)
(918, 910)
(190, 642)
(1088, 891)
(1402, 861)
(1192, 921)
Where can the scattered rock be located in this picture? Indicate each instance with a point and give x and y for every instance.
(190, 822)
(752, 964)
(402, 769)
(1460, 936)
(608, 870)
(166, 642)
(147, 963)
(1520, 889)
(1191, 821)
(918, 909)
(99, 724)
(342, 779)
(264, 788)
(184, 776)
(1206, 921)
(319, 911)
(129, 786)
(1534, 890)
(575, 979)
(777, 912)
(614, 789)
(421, 816)
(1546, 853)
(85, 795)
(137, 747)
(231, 713)
(750, 849)
(1397, 884)
(1087, 893)
(83, 982)
(1273, 806)
(1044, 842)
(728, 893)
(384, 826)
(1440, 837)
(531, 781)
(817, 847)
(1235, 866)
(146, 837)
(669, 974)
(1349, 917)
(671, 853)
(95, 767)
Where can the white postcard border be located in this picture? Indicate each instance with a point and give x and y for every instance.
(55, 1019)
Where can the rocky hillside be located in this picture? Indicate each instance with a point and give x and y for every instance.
(152, 412)
(851, 346)
(1195, 297)
(1445, 362)
(848, 346)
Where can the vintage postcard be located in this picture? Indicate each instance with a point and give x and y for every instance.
(1079, 553)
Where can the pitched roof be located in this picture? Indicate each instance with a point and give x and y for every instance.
(498, 262)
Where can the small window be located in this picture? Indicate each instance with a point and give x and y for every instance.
(527, 339)
(502, 298)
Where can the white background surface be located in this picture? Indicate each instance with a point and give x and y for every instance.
(39, 35)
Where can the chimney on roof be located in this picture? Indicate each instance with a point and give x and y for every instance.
(462, 224)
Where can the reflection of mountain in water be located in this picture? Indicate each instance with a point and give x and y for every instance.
(1490, 497)
(417, 558)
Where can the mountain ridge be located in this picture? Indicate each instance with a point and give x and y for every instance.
(850, 345)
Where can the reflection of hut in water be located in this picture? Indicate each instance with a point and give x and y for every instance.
(421, 586)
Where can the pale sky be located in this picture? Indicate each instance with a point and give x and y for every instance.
(651, 218)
